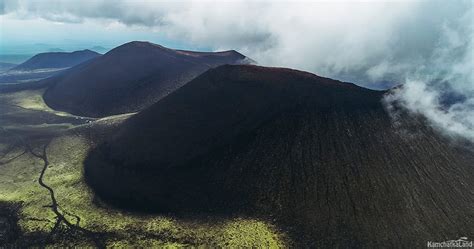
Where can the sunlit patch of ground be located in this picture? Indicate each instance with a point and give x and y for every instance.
(20, 171)
(19, 183)
(29, 99)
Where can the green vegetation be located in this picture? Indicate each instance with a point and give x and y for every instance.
(20, 171)
(29, 99)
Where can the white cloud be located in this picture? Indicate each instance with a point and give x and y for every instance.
(367, 42)
(443, 89)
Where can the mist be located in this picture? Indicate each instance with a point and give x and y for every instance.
(424, 45)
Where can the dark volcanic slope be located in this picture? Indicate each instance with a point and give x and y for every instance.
(316, 154)
(56, 60)
(130, 78)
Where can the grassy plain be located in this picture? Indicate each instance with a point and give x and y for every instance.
(66, 140)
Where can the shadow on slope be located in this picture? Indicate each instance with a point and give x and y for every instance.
(318, 155)
(129, 78)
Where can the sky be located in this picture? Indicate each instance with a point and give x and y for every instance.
(425, 45)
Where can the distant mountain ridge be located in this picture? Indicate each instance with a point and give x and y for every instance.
(44, 65)
(56, 60)
(130, 77)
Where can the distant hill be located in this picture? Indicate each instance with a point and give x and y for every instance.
(44, 65)
(56, 50)
(4, 66)
(56, 60)
(320, 156)
(130, 77)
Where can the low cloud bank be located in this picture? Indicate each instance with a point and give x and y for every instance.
(443, 89)
(425, 45)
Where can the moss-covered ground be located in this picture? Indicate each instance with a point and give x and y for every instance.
(66, 149)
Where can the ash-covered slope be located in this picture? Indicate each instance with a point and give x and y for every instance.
(56, 60)
(130, 78)
(319, 156)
